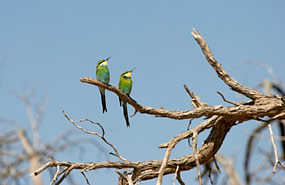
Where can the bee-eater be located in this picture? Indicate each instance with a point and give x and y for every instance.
(103, 75)
(125, 85)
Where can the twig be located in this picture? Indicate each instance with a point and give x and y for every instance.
(228, 101)
(216, 164)
(278, 116)
(194, 138)
(249, 149)
(274, 148)
(196, 102)
(130, 181)
(55, 175)
(188, 128)
(25, 142)
(229, 168)
(66, 173)
(268, 88)
(83, 129)
(121, 175)
(178, 177)
(164, 163)
(32, 120)
(134, 113)
(281, 124)
(201, 127)
(209, 175)
(175, 175)
(87, 181)
(96, 133)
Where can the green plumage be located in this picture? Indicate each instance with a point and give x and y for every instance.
(103, 75)
(125, 85)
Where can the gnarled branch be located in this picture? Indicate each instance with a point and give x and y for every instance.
(219, 120)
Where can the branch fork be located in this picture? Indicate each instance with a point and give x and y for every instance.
(219, 120)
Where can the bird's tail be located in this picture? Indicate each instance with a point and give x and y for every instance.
(120, 101)
(103, 100)
(126, 114)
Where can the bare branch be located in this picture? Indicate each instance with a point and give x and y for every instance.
(25, 142)
(149, 169)
(55, 175)
(178, 177)
(32, 154)
(228, 101)
(265, 106)
(201, 127)
(249, 149)
(194, 138)
(216, 165)
(222, 74)
(219, 120)
(229, 168)
(196, 102)
(172, 143)
(87, 181)
(274, 148)
(96, 133)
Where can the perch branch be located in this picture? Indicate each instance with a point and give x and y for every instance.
(219, 120)
(266, 106)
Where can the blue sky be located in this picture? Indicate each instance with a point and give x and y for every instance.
(50, 45)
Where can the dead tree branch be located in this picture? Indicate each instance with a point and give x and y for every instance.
(222, 74)
(219, 120)
(264, 106)
(230, 170)
(194, 138)
(95, 133)
(274, 149)
(21, 152)
(249, 149)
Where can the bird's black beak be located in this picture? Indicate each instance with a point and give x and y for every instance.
(132, 70)
(107, 58)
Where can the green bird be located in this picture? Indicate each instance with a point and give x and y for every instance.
(103, 75)
(125, 85)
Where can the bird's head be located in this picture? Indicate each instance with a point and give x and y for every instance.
(128, 74)
(103, 62)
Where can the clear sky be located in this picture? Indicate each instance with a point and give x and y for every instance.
(50, 45)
